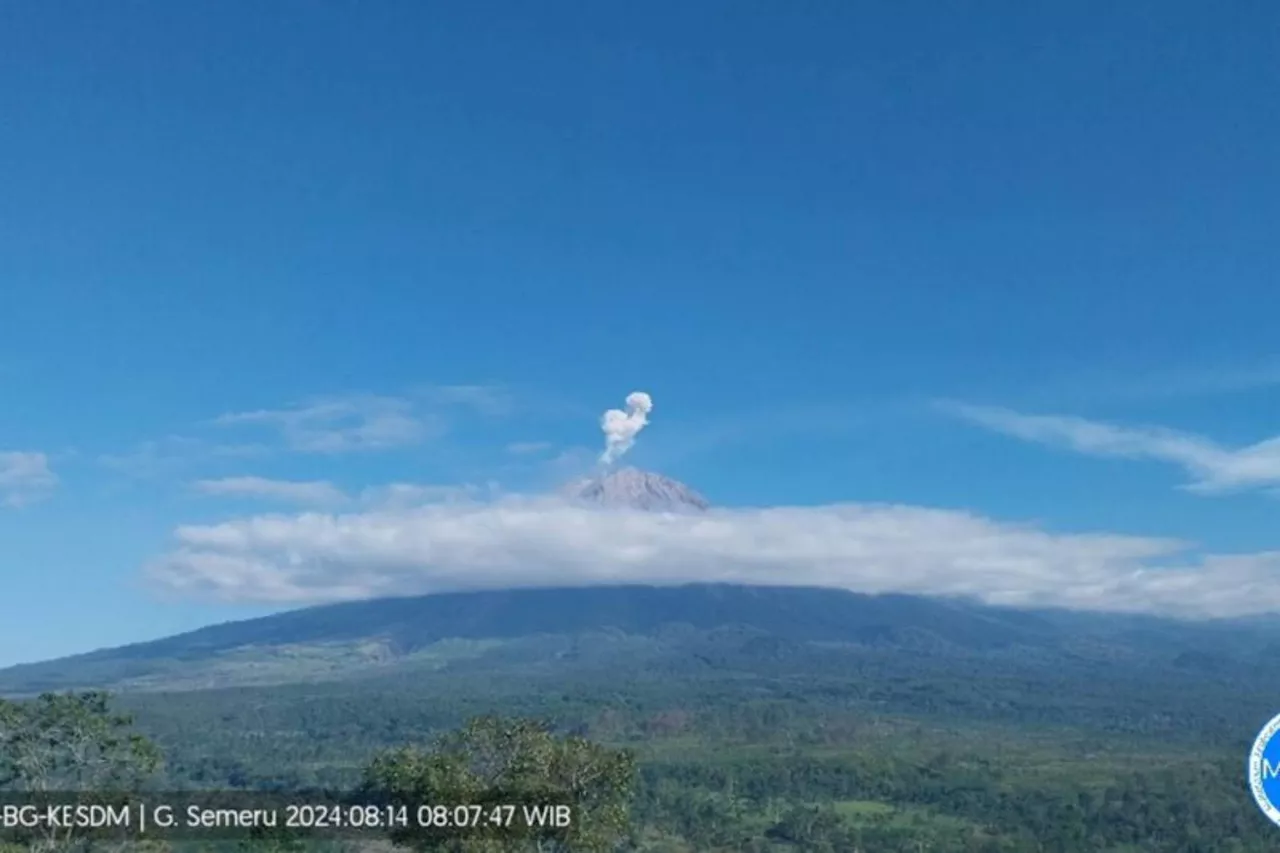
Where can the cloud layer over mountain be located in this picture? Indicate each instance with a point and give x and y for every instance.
(513, 542)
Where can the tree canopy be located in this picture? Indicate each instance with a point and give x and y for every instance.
(493, 762)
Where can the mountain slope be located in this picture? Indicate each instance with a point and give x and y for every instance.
(631, 488)
(560, 626)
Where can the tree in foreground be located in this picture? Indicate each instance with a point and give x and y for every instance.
(509, 765)
(71, 742)
(66, 744)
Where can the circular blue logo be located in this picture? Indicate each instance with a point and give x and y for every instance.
(1264, 770)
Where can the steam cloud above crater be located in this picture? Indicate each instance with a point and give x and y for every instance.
(620, 428)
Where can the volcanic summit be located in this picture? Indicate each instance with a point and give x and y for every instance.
(631, 488)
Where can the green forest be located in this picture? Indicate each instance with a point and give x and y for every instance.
(740, 761)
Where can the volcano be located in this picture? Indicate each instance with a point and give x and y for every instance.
(631, 488)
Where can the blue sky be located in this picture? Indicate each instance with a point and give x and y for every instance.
(1002, 265)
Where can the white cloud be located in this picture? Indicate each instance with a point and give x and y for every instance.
(1214, 468)
(25, 478)
(621, 427)
(316, 492)
(518, 542)
(343, 424)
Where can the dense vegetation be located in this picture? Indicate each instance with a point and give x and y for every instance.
(757, 763)
(1126, 737)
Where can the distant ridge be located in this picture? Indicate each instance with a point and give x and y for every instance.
(631, 488)
(398, 627)
(621, 628)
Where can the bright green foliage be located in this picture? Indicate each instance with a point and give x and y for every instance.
(495, 762)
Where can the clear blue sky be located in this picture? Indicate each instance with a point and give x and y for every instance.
(852, 250)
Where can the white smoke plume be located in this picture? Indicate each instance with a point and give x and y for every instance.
(620, 428)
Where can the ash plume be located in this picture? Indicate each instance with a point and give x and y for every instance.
(620, 427)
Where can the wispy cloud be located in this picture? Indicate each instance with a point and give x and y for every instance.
(528, 448)
(1213, 467)
(546, 470)
(150, 459)
(1207, 382)
(323, 493)
(372, 422)
(25, 477)
(521, 542)
(493, 400)
(315, 492)
(343, 424)
(409, 495)
(169, 456)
